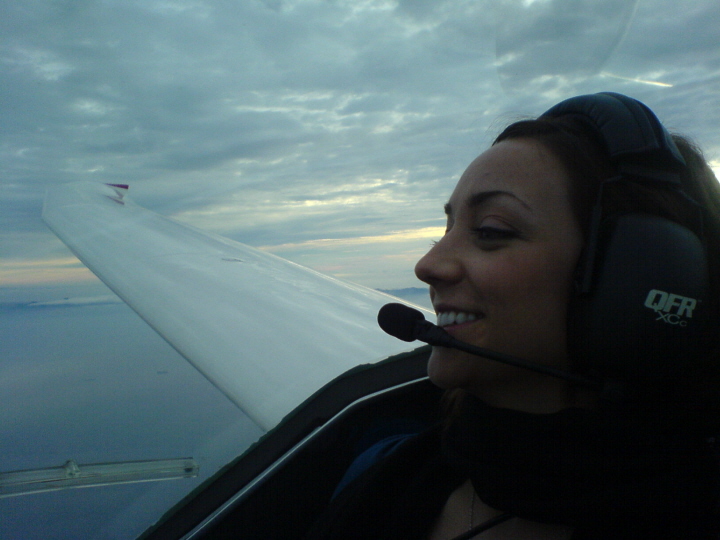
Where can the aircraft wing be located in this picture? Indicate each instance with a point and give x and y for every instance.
(265, 331)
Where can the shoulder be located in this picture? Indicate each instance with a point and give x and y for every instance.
(381, 449)
(372, 455)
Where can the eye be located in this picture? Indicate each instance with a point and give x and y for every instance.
(489, 233)
(493, 230)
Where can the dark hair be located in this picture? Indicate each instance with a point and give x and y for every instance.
(694, 401)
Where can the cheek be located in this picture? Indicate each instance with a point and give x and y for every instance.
(550, 281)
(512, 279)
(527, 299)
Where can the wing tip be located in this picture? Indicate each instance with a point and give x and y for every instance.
(120, 191)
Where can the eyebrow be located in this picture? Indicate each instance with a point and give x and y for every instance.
(478, 199)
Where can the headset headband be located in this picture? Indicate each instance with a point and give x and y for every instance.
(629, 129)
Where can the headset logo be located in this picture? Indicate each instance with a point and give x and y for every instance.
(670, 308)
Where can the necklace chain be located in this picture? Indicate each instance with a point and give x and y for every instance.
(472, 510)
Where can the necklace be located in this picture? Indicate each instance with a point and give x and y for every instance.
(472, 510)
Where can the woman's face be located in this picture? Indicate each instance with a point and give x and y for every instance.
(501, 276)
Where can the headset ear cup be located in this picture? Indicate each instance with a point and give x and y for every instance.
(646, 310)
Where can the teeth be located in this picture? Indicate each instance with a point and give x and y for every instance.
(446, 318)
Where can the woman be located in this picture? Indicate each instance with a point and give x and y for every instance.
(533, 264)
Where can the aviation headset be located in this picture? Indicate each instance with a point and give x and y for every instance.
(643, 296)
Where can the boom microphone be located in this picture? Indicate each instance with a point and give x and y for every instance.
(409, 324)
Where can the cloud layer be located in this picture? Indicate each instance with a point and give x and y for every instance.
(295, 125)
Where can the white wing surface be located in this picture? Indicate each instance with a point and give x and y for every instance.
(267, 332)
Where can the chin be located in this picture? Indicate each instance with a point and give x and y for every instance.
(448, 368)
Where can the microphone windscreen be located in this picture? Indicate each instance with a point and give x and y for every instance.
(399, 321)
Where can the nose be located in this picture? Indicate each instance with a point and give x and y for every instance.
(440, 265)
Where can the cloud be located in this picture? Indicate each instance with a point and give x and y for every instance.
(43, 271)
(533, 38)
(344, 243)
(282, 122)
(80, 301)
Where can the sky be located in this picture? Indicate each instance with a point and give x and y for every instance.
(329, 132)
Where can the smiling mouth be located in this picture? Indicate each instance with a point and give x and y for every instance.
(449, 318)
